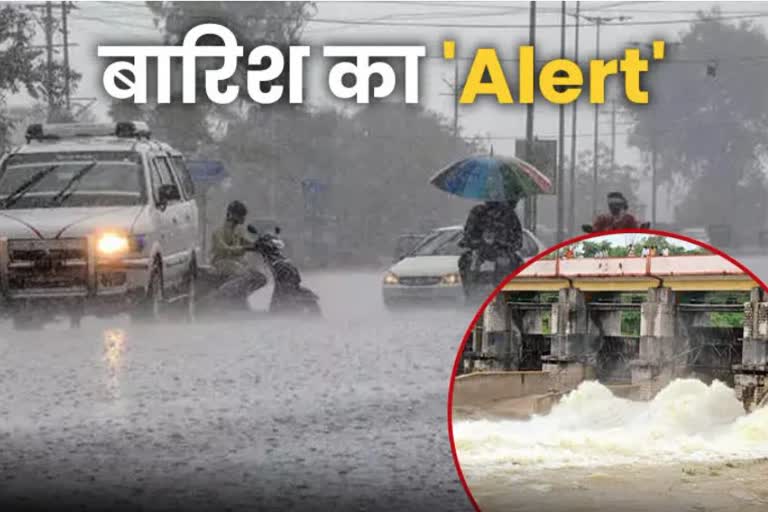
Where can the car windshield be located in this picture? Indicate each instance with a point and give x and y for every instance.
(440, 243)
(92, 178)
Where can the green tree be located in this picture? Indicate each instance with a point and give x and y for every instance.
(24, 69)
(707, 118)
(17, 57)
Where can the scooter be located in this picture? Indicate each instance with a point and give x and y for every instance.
(490, 262)
(588, 228)
(288, 295)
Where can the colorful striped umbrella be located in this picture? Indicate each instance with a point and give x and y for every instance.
(490, 178)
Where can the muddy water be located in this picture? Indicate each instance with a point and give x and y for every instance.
(691, 448)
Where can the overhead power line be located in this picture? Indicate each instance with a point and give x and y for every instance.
(697, 60)
(115, 22)
(507, 26)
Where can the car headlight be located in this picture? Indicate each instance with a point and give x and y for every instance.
(111, 244)
(390, 278)
(452, 278)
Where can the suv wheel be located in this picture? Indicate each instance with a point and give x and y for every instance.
(150, 308)
(190, 291)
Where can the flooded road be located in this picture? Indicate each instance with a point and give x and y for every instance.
(347, 413)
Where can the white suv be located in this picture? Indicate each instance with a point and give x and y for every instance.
(95, 217)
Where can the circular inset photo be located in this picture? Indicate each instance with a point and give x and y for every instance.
(618, 372)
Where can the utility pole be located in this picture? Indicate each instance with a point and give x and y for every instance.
(613, 134)
(530, 202)
(598, 21)
(65, 34)
(561, 140)
(596, 126)
(48, 24)
(454, 87)
(456, 99)
(612, 113)
(654, 185)
(572, 181)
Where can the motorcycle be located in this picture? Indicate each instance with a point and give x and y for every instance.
(489, 263)
(288, 294)
(588, 228)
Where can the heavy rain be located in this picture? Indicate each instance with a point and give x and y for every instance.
(179, 398)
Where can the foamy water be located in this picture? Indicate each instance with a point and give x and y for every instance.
(590, 427)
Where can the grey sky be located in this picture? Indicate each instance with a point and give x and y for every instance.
(96, 23)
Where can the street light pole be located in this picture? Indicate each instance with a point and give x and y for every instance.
(572, 180)
(561, 140)
(530, 205)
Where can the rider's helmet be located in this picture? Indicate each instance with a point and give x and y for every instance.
(236, 212)
(617, 202)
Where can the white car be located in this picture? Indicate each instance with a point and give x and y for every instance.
(95, 216)
(431, 271)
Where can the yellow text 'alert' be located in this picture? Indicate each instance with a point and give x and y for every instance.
(560, 81)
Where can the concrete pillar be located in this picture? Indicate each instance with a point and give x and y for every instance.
(751, 376)
(501, 339)
(572, 351)
(755, 349)
(663, 350)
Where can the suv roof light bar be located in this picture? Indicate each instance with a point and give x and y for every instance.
(56, 131)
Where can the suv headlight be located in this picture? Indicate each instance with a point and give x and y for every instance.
(391, 278)
(451, 279)
(111, 244)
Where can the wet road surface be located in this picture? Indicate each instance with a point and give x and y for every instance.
(347, 413)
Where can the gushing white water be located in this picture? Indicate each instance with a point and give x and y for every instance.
(590, 427)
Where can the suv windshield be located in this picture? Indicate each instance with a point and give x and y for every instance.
(110, 179)
(440, 243)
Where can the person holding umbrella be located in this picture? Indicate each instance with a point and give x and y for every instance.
(495, 228)
(493, 232)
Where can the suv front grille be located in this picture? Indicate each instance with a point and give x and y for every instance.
(38, 264)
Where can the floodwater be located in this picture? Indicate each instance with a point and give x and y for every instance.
(691, 448)
(345, 413)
